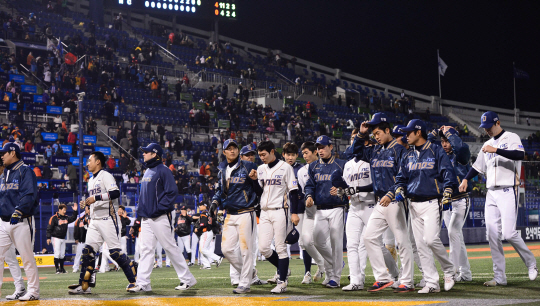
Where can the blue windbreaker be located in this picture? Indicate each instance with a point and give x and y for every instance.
(158, 191)
(18, 190)
(320, 181)
(237, 195)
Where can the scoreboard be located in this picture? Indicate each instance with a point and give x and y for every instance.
(195, 8)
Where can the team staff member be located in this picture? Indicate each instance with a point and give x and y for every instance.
(206, 237)
(124, 221)
(425, 176)
(330, 210)
(18, 204)
(183, 230)
(158, 194)
(500, 161)
(459, 155)
(278, 182)
(103, 229)
(384, 159)
(79, 234)
(134, 231)
(237, 193)
(57, 230)
(248, 152)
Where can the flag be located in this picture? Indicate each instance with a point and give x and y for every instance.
(520, 74)
(60, 48)
(442, 66)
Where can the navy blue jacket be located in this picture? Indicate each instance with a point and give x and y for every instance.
(240, 196)
(158, 191)
(459, 157)
(384, 161)
(18, 190)
(320, 181)
(301, 207)
(426, 173)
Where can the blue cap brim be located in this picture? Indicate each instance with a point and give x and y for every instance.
(486, 125)
(374, 122)
(408, 129)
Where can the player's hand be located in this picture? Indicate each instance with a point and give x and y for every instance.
(336, 191)
(364, 127)
(131, 231)
(74, 206)
(82, 203)
(295, 219)
(16, 217)
(253, 174)
(385, 201)
(48, 241)
(446, 128)
(463, 186)
(195, 230)
(76, 241)
(489, 149)
(90, 200)
(309, 202)
(446, 202)
(400, 194)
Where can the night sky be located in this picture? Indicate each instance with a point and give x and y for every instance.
(396, 42)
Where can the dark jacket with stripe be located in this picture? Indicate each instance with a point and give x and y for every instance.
(18, 190)
(158, 191)
(58, 225)
(319, 183)
(237, 194)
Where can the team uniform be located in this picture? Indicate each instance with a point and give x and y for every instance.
(18, 191)
(15, 270)
(206, 240)
(425, 173)
(502, 198)
(124, 222)
(136, 231)
(278, 181)
(103, 228)
(384, 163)
(329, 217)
(183, 230)
(236, 193)
(56, 231)
(79, 232)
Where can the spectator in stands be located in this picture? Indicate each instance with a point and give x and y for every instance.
(111, 163)
(161, 132)
(37, 171)
(72, 176)
(195, 157)
(123, 162)
(48, 154)
(124, 144)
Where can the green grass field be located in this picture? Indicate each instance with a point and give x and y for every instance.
(216, 282)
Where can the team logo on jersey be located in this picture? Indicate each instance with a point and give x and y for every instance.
(520, 146)
(146, 179)
(359, 176)
(430, 159)
(10, 186)
(236, 180)
(294, 183)
(382, 163)
(421, 166)
(322, 177)
(503, 146)
(272, 182)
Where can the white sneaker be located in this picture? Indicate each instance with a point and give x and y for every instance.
(78, 290)
(422, 283)
(493, 283)
(448, 282)
(325, 281)
(462, 278)
(241, 290)
(396, 284)
(274, 279)
(186, 286)
(29, 297)
(428, 289)
(218, 262)
(139, 288)
(16, 295)
(353, 287)
(76, 271)
(533, 273)
(257, 282)
(307, 278)
(281, 287)
(318, 275)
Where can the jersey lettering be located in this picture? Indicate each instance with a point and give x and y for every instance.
(382, 163)
(272, 182)
(322, 177)
(421, 166)
(236, 180)
(9, 186)
(359, 176)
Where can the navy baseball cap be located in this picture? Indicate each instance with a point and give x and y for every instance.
(414, 125)
(183, 207)
(154, 148)
(488, 119)
(10, 146)
(324, 140)
(398, 130)
(293, 236)
(378, 118)
(247, 149)
(229, 142)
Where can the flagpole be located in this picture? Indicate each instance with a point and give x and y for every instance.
(439, 73)
(515, 101)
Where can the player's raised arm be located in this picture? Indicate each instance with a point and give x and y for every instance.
(446, 170)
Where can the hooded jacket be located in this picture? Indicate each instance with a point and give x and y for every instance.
(158, 191)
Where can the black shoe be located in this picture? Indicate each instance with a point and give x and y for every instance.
(57, 271)
(63, 271)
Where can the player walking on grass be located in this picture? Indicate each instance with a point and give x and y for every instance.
(500, 161)
(459, 155)
(425, 176)
(330, 209)
(207, 235)
(158, 195)
(280, 190)
(384, 159)
(56, 233)
(18, 204)
(79, 234)
(237, 194)
(103, 228)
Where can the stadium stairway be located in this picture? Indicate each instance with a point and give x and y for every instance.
(472, 127)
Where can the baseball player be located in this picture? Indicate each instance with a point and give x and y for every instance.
(79, 232)
(103, 200)
(278, 181)
(425, 176)
(384, 159)
(18, 204)
(237, 193)
(125, 222)
(248, 152)
(306, 242)
(158, 194)
(500, 161)
(56, 231)
(459, 155)
(134, 231)
(183, 230)
(15, 270)
(205, 230)
(330, 209)
(194, 243)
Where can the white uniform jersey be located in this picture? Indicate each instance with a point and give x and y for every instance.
(357, 174)
(500, 171)
(303, 176)
(102, 183)
(276, 183)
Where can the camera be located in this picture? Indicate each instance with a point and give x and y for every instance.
(81, 95)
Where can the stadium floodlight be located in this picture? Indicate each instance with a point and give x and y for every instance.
(153, 4)
(147, 3)
(182, 8)
(176, 7)
(159, 5)
(170, 6)
(188, 8)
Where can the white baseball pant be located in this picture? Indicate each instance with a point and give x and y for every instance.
(194, 241)
(137, 254)
(159, 255)
(426, 222)
(78, 254)
(59, 247)
(306, 227)
(454, 220)
(160, 230)
(105, 258)
(237, 243)
(235, 275)
(123, 243)
(206, 249)
(413, 244)
(393, 217)
(22, 236)
(389, 238)
(501, 217)
(14, 268)
(273, 224)
(329, 224)
(356, 250)
(184, 242)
